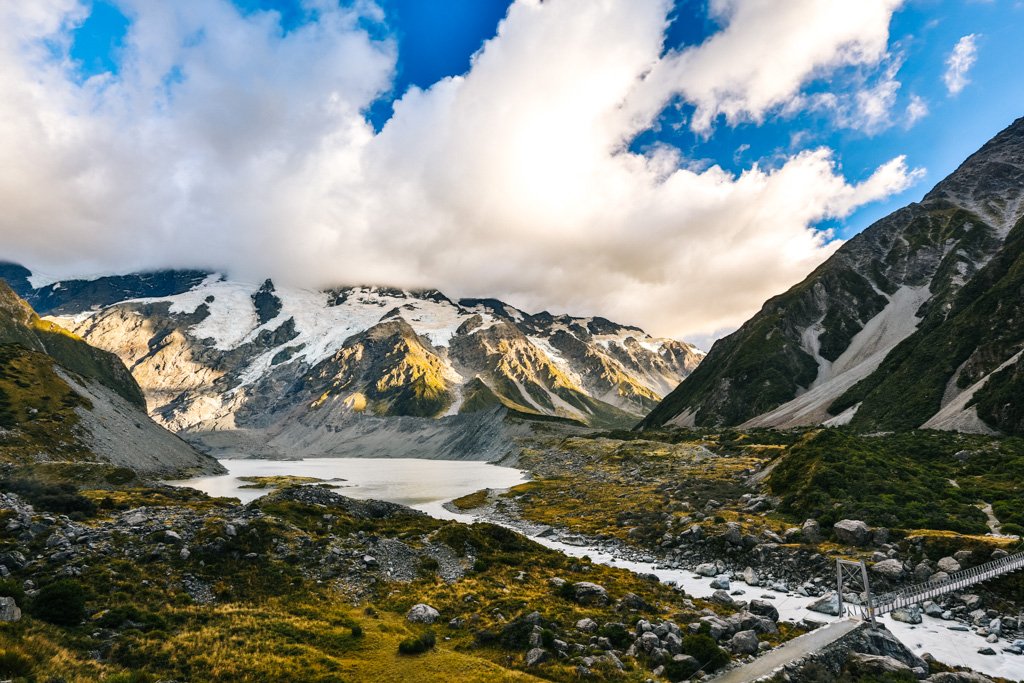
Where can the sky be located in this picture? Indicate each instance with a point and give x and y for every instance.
(665, 164)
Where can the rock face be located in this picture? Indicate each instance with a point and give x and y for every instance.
(917, 321)
(67, 401)
(237, 366)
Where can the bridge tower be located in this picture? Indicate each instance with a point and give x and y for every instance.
(853, 577)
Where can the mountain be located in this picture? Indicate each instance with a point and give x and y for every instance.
(63, 400)
(256, 367)
(916, 322)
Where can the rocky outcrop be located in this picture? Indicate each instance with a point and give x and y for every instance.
(917, 321)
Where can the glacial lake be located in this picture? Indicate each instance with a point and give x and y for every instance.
(422, 484)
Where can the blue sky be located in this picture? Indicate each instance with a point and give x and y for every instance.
(569, 163)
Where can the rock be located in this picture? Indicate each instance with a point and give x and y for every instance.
(811, 531)
(764, 609)
(536, 656)
(958, 677)
(717, 626)
(890, 569)
(588, 593)
(826, 605)
(962, 556)
(732, 534)
(970, 601)
(422, 614)
(750, 577)
(996, 627)
(852, 532)
(922, 571)
(9, 610)
(932, 609)
(876, 665)
(908, 615)
(948, 565)
(986, 651)
(720, 582)
(587, 625)
(744, 643)
(722, 598)
(706, 569)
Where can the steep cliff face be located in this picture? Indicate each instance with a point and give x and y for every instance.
(63, 400)
(914, 322)
(215, 356)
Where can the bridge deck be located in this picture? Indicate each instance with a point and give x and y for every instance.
(798, 648)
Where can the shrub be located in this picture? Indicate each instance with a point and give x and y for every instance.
(416, 646)
(61, 603)
(14, 665)
(617, 634)
(357, 631)
(704, 649)
(9, 588)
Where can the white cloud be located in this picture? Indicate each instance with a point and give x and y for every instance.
(917, 109)
(766, 52)
(959, 63)
(511, 181)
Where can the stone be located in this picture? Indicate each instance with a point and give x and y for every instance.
(922, 571)
(722, 598)
(536, 656)
(720, 582)
(744, 643)
(970, 601)
(9, 610)
(959, 677)
(948, 565)
(932, 609)
(986, 651)
(811, 531)
(852, 532)
(764, 609)
(876, 665)
(890, 569)
(732, 534)
(996, 626)
(750, 577)
(908, 615)
(706, 569)
(826, 605)
(422, 614)
(588, 593)
(587, 625)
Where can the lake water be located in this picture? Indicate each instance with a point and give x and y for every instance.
(422, 484)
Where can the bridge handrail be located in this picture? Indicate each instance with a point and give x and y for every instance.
(987, 570)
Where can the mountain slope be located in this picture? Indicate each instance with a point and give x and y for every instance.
(896, 330)
(62, 400)
(220, 360)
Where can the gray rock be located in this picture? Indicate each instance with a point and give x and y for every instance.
(877, 665)
(826, 605)
(948, 565)
(720, 582)
(890, 569)
(722, 598)
(422, 614)
(932, 609)
(908, 615)
(706, 569)
(750, 577)
(9, 610)
(732, 534)
(811, 531)
(852, 532)
(764, 609)
(587, 625)
(744, 642)
(588, 593)
(536, 656)
(958, 677)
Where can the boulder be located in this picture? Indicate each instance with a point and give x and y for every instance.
(826, 605)
(588, 593)
(958, 677)
(744, 643)
(764, 609)
(852, 532)
(706, 569)
(948, 565)
(720, 582)
(876, 665)
(750, 577)
(908, 615)
(890, 569)
(811, 531)
(732, 534)
(536, 656)
(422, 614)
(722, 598)
(587, 625)
(9, 610)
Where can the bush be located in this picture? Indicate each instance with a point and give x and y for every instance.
(9, 588)
(705, 650)
(14, 665)
(61, 603)
(130, 677)
(357, 631)
(617, 634)
(416, 646)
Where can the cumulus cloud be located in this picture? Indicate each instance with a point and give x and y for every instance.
(959, 63)
(224, 142)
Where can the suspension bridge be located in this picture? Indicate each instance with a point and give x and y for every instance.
(850, 577)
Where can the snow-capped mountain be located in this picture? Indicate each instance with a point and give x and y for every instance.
(916, 322)
(215, 356)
